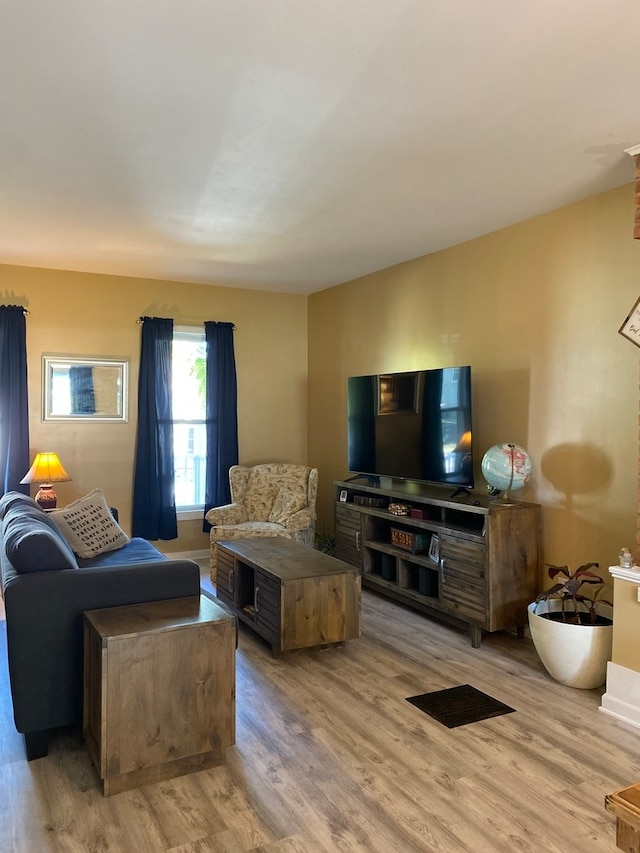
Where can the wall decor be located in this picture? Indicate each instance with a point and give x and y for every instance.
(84, 388)
(630, 329)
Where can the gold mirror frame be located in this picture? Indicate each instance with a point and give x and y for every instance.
(84, 388)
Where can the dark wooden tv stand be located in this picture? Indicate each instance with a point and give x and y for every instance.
(471, 560)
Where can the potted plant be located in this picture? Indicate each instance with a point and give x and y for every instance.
(326, 543)
(572, 627)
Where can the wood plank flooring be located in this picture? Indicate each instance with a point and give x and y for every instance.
(330, 757)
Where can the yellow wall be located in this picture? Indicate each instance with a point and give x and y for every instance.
(626, 625)
(84, 314)
(535, 309)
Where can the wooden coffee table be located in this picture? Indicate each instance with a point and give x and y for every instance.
(293, 596)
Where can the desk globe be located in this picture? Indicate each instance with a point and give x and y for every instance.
(506, 467)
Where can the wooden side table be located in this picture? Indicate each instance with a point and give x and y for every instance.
(159, 689)
(625, 805)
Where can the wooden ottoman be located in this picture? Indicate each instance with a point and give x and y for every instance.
(292, 596)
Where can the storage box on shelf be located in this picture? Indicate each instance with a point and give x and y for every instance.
(469, 560)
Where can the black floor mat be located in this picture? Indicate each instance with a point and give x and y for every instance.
(457, 706)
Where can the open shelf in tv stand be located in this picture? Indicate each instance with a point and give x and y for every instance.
(484, 571)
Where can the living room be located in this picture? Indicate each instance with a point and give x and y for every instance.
(550, 371)
(538, 382)
(329, 755)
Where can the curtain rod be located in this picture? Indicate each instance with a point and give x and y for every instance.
(25, 311)
(141, 320)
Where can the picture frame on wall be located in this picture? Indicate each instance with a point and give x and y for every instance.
(630, 329)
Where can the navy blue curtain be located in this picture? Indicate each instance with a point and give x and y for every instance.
(14, 407)
(83, 397)
(154, 504)
(221, 414)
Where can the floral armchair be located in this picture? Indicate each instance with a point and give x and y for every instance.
(273, 499)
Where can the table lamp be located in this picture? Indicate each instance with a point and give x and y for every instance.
(46, 469)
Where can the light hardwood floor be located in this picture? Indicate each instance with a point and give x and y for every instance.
(330, 757)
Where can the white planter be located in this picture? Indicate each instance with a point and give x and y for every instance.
(575, 655)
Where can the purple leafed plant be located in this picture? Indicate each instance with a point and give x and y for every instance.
(577, 607)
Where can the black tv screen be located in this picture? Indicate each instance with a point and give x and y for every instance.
(412, 426)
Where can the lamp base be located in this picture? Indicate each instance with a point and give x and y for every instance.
(46, 498)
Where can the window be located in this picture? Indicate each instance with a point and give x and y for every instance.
(189, 413)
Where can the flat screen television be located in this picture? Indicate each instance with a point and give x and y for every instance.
(412, 426)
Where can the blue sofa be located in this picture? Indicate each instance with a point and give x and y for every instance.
(46, 589)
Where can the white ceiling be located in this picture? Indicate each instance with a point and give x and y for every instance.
(295, 144)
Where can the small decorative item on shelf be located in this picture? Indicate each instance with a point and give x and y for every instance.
(388, 567)
(434, 548)
(362, 500)
(399, 509)
(418, 512)
(414, 542)
(625, 558)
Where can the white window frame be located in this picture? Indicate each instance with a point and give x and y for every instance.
(196, 334)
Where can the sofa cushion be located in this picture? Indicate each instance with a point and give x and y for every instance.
(88, 525)
(286, 504)
(32, 542)
(136, 551)
(10, 499)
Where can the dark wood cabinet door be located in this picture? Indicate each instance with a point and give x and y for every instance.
(348, 534)
(226, 580)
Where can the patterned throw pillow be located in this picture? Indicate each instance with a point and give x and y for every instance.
(285, 505)
(89, 527)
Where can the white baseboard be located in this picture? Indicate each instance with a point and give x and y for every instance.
(622, 697)
(202, 554)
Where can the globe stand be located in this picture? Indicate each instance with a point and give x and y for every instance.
(502, 500)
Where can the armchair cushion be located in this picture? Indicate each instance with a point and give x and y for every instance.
(304, 519)
(286, 504)
(259, 497)
(249, 529)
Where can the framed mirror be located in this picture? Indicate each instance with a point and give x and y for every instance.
(84, 388)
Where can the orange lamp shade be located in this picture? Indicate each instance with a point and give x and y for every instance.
(46, 469)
